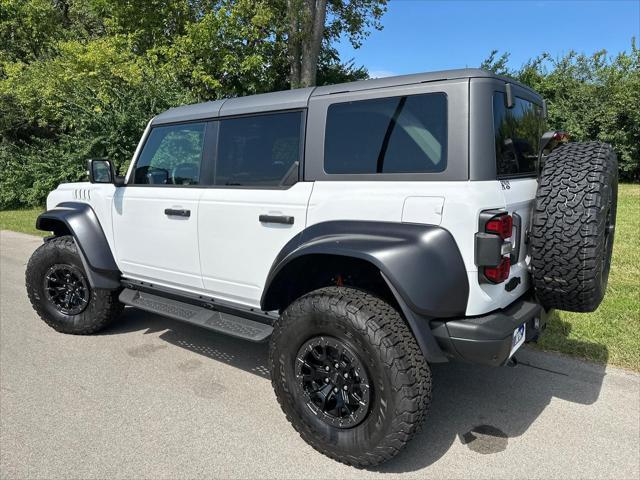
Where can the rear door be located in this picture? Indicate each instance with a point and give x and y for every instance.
(256, 204)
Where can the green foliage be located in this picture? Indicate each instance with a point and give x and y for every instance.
(81, 78)
(594, 97)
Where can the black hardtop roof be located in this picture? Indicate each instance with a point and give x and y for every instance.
(299, 97)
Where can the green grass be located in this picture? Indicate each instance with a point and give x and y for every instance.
(611, 334)
(21, 221)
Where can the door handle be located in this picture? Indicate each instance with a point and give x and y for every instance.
(172, 212)
(285, 219)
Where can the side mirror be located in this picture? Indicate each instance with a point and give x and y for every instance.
(102, 171)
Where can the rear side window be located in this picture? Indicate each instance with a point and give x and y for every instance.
(260, 150)
(406, 134)
(172, 155)
(517, 136)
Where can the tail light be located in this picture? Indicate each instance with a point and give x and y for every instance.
(501, 225)
(492, 250)
(500, 273)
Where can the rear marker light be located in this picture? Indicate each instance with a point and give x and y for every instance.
(501, 225)
(500, 273)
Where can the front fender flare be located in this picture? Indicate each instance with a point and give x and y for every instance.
(82, 223)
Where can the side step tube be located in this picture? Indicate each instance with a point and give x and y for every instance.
(213, 320)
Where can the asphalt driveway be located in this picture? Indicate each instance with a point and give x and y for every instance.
(155, 398)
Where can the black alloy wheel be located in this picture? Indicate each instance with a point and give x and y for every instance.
(334, 381)
(66, 288)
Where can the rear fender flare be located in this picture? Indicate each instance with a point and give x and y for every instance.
(421, 264)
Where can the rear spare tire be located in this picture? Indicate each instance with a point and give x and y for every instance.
(573, 226)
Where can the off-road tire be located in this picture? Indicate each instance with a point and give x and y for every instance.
(573, 226)
(398, 372)
(102, 307)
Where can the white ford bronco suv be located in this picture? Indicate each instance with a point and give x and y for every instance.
(367, 230)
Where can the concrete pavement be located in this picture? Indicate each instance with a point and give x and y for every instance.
(155, 398)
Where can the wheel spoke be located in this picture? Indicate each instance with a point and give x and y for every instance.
(66, 288)
(326, 369)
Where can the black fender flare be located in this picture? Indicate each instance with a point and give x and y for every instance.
(81, 221)
(421, 264)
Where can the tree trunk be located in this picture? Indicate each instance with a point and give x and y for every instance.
(294, 13)
(317, 14)
(306, 31)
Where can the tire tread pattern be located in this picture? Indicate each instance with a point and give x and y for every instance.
(567, 231)
(381, 324)
(103, 307)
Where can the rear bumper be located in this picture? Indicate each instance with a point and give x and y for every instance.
(487, 339)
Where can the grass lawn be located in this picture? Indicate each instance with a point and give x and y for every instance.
(609, 335)
(21, 221)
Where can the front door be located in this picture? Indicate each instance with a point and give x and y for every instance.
(155, 215)
(256, 205)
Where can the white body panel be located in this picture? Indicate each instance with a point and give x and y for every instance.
(222, 250)
(152, 246)
(99, 196)
(463, 202)
(236, 249)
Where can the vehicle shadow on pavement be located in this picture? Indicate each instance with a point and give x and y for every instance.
(480, 407)
(248, 356)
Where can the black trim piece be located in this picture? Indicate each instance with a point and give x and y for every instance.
(284, 219)
(517, 238)
(488, 249)
(81, 221)
(173, 212)
(422, 262)
(420, 328)
(205, 301)
(487, 339)
(217, 321)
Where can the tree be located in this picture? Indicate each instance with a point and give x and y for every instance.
(312, 22)
(593, 97)
(81, 78)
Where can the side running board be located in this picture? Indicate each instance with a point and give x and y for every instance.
(213, 320)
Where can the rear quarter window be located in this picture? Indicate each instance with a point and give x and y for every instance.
(402, 134)
(517, 136)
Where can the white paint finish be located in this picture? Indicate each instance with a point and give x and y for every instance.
(223, 250)
(98, 195)
(463, 202)
(236, 250)
(152, 245)
(383, 201)
(427, 210)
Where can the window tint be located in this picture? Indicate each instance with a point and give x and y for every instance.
(517, 132)
(261, 150)
(387, 135)
(172, 155)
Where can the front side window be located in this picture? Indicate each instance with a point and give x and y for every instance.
(259, 150)
(517, 136)
(172, 155)
(406, 134)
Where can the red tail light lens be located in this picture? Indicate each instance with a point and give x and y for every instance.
(501, 225)
(500, 273)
